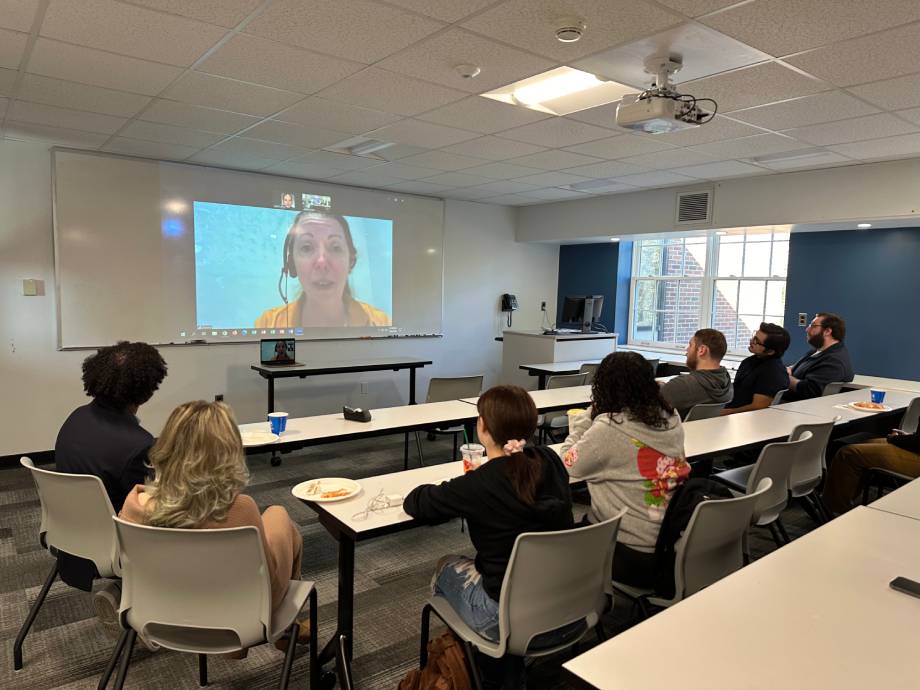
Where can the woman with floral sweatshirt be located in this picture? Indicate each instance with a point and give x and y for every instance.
(629, 448)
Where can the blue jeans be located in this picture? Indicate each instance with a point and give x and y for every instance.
(457, 580)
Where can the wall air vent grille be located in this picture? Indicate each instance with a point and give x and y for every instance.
(694, 207)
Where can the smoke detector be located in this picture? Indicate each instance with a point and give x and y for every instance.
(570, 29)
(467, 71)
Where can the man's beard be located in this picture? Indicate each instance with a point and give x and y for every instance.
(816, 341)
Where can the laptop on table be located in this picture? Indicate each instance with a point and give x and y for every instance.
(278, 352)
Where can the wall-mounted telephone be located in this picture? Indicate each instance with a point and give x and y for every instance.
(509, 304)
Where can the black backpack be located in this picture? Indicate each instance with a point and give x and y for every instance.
(680, 508)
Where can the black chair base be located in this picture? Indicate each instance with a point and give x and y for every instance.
(880, 479)
(33, 612)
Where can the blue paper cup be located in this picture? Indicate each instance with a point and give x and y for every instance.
(278, 421)
(877, 395)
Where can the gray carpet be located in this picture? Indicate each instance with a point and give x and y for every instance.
(67, 649)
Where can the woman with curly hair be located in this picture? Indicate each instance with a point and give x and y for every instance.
(629, 447)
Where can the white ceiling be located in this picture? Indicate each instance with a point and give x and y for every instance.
(269, 84)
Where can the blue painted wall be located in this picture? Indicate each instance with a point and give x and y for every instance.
(590, 269)
(872, 279)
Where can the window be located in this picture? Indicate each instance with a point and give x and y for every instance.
(730, 282)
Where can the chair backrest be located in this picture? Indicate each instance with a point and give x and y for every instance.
(444, 389)
(195, 590)
(711, 546)
(911, 419)
(775, 461)
(574, 581)
(77, 516)
(809, 464)
(590, 370)
(778, 398)
(840, 387)
(654, 363)
(704, 411)
(566, 380)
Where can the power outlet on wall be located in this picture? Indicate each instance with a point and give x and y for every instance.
(803, 319)
(363, 387)
(542, 306)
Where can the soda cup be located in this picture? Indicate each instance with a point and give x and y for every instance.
(278, 421)
(472, 456)
(877, 395)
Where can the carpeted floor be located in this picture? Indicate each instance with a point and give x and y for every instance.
(66, 648)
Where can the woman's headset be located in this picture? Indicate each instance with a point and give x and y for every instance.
(288, 267)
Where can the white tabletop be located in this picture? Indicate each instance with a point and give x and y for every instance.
(817, 613)
(887, 384)
(827, 405)
(331, 426)
(554, 398)
(904, 501)
(396, 485)
(345, 365)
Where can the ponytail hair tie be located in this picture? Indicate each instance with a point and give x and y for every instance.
(514, 446)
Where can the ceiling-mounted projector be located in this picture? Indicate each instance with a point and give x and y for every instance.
(661, 108)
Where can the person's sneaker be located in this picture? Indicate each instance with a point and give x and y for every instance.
(303, 636)
(106, 603)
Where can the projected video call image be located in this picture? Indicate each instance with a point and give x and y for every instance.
(270, 268)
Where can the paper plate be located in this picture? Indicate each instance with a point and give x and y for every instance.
(326, 489)
(858, 407)
(258, 438)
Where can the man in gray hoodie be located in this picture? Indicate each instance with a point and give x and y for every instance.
(708, 381)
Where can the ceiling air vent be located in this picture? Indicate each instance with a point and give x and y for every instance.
(694, 207)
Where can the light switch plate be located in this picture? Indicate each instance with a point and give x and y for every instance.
(32, 287)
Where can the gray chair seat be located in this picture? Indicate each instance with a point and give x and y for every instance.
(737, 478)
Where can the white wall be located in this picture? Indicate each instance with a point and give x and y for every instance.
(41, 385)
(857, 192)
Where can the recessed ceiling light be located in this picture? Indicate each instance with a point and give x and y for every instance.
(614, 239)
(864, 226)
(721, 232)
(560, 91)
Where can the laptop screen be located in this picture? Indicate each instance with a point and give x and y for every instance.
(277, 350)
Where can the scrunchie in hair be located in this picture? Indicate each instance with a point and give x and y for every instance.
(514, 446)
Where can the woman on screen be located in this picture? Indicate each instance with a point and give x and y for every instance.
(320, 253)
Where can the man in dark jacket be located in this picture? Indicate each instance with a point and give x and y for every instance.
(827, 362)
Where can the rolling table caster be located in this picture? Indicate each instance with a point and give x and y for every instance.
(327, 680)
(276, 459)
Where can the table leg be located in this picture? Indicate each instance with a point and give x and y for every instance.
(346, 606)
(541, 381)
(411, 385)
(271, 395)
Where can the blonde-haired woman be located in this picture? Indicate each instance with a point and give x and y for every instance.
(199, 475)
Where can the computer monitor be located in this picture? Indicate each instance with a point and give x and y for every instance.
(583, 310)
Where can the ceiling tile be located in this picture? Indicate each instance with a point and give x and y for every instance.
(255, 148)
(405, 172)
(697, 8)
(555, 160)
(310, 171)
(552, 179)
(457, 179)
(892, 94)
(483, 115)
(719, 129)
(339, 161)
(355, 30)
(229, 159)
(227, 94)
(38, 89)
(18, 14)
(554, 194)
(664, 160)
(620, 146)
(747, 147)
(505, 187)
(781, 27)
(399, 151)
(809, 110)
(531, 24)
(889, 147)
(12, 47)
(227, 13)
(815, 160)
(390, 92)
(7, 79)
(720, 170)
(658, 178)
(196, 117)
(130, 30)
(295, 135)
(857, 129)
(494, 148)
(418, 187)
(167, 134)
(88, 66)
(612, 188)
(28, 131)
(602, 116)
(884, 55)
(440, 160)
(606, 169)
(436, 58)
(445, 10)
(744, 88)
(65, 118)
(372, 177)
(149, 149)
(425, 134)
(257, 60)
(912, 115)
(510, 200)
(3, 103)
(501, 171)
(556, 132)
(318, 112)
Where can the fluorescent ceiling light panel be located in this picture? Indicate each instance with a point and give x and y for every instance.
(561, 91)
